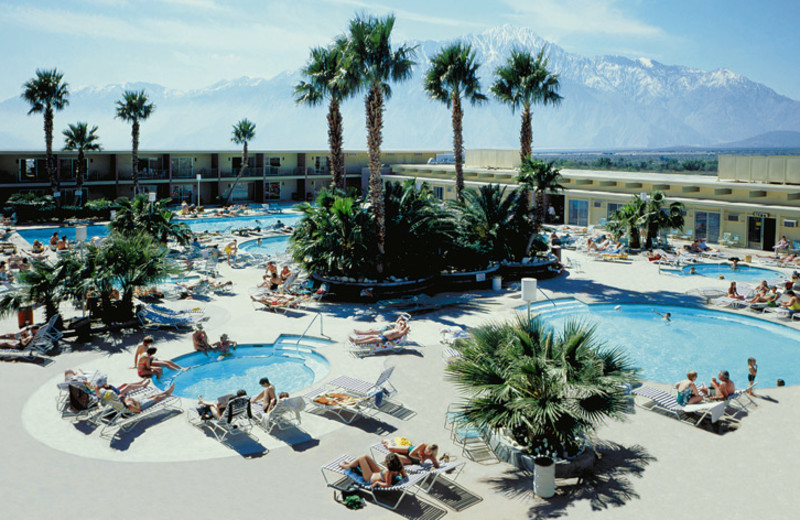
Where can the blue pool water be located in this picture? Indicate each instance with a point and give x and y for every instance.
(269, 245)
(699, 339)
(221, 224)
(289, 368)
(743, 273)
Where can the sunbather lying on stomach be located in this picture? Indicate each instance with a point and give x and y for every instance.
(389, 335)
(23, 337)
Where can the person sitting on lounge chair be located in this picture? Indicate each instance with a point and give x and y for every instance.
(782, 245)
(285, 273)
(63, 244)
(373, 474)
(793, 305)
(267, 396)
(734, 293)
(123, 390)
(142, 349)
(137, 406)
(218, 408)
(400, 322)
(272, 282)
(687, 391)
(724, 388)
(381, 337)
(770, 298)
(415, 454)
(760, 292)
(23, 338)
(54, 240)
(590, 245)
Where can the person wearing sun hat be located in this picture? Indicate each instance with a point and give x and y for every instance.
(200, 339)
(224, 345)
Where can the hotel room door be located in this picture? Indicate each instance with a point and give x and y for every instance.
(760, 233)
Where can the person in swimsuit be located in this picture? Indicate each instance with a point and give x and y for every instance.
(23, 337)
(667, 316)
(267, 396)
(724, 388)
(752, 370)
(793, 305)
(218, 408)
(123, 390)
(136, 406)
(144, 366)
(399, 323)
(200, 339)
(687, 391)
(416, 455)
(144, 347)
(382, 337)
(373, 474)
(734, 293)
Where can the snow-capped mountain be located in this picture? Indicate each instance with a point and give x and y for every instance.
(609, 102)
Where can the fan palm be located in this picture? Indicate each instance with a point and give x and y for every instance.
(42, 284)
(539, 177)
(155, 219)
(657, 216)
(334, 237)
(46, 93)
(371, 60)
(243, 132)
(522, 82)
(629, 218)
(454, 75)
(80, 138)
(327, 79)
(548, 388)
(134, 107)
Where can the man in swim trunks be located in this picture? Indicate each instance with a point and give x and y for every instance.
(144, 366)
(724, 388)
(142, 349)
(382, 337)
(266, 396)
(200, 339)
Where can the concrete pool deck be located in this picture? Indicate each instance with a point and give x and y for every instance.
(652, 466)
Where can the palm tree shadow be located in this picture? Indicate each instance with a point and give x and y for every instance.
(609, 485)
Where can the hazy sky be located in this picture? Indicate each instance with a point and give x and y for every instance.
(186, 44)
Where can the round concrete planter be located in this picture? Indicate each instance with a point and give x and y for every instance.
(467, 280)
(538, 268)
(351, 290)
(569, 468)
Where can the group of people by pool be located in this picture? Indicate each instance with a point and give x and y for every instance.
(201, 343)
(720, 388)
(766, 295)
(393, 470)
(272, 280)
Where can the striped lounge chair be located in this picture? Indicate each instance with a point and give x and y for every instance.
(666, 402)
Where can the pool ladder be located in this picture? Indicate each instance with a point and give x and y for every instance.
(321, 333)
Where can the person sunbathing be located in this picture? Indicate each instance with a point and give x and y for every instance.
(271, 300)
(218, 408)
(769, 298)
(793, 305)
(724, 388)
(788, 258)
(102, 384)
(37, 247)
(285, 273)
(200, 339)
(590, 245)
(734, 293)
(397, 324)
(23, 338)
(143, 349)
(381, 337)
(416, 455)
(267, 396)
(687, 391)
(138, 406)
(373, 475)
(272, 283)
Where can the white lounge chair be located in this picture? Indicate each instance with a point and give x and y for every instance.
(454, 468)
(667, 402)
(47, 337)
(378, 347)
(118, 417)
(345, 406)
(285, 414)
(365, 388)
(339, 478)
(150, 318)
(236, 418)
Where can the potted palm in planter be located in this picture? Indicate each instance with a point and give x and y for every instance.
(538, 392)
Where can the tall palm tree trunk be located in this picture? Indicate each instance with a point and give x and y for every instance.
(537, 220)
(239, 174)
(135, 156)
(79, 175)
(335, 141)
(525, 134)
(458, 145)
(49, 164)
(374, 108)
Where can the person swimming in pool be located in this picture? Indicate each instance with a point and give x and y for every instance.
(666, 315)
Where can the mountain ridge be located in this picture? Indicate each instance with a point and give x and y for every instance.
(609, 102)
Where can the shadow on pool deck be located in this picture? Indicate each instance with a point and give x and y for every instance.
(609, 485)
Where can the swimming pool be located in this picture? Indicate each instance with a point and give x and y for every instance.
(699, 339)
(743, 273)
(268, 246)
(289, 368)
(216, 224)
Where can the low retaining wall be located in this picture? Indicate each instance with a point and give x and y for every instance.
(575, 467)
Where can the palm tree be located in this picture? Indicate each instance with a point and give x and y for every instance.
(134, 108)
(327, 78)
(658, 216)
(629, 218)
(453, 75)
(548, 388)
(45, 93)
(243, 132)
(42, 284)
(539, 177)
(155, 219)
(524, 81)
(369, 57)
(79, 137)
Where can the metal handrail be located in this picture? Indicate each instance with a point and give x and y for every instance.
(321, 333)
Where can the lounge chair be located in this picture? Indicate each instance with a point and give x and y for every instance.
(379, 451)
(118, 417)
(47, 337)
(76, 400)
(236, 418)
(172, 312)
(365, 388)
(378, 347)
(332, 471)
(666, 402)
(451, 334)
(285, 414)
(342, 404)
(150, 318)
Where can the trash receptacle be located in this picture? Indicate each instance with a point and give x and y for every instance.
(556, 250)
(497, 283)
(25, 316)
(544, 477)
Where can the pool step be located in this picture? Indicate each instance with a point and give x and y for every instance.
(558, 308)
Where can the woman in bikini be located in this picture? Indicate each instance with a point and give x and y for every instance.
(418, 454)
(373, 474)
